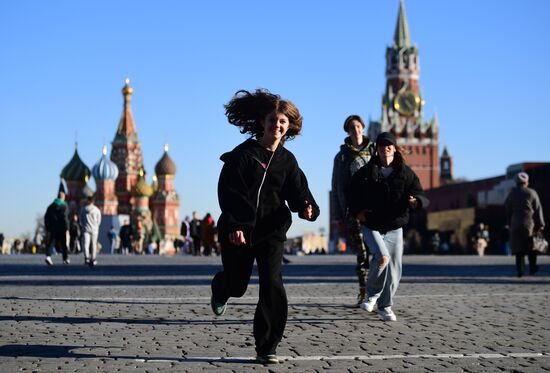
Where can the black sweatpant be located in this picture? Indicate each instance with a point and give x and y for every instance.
(60, 242)
(272, 308)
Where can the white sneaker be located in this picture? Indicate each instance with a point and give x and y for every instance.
(387, 314)
(49, 260)
(67, 261)
(368, 304)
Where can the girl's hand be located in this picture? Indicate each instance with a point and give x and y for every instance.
(308, 210)
(237, 238)
(413, 202)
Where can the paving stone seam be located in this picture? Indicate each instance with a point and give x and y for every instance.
(361, 357)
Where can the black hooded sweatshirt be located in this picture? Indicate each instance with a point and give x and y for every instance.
(253, 187)
(386, 200)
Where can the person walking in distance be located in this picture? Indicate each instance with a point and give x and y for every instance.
(258, 179)
(185, 233)
(126, 235)
(525, 218)
(74, 234)
(56, 221)
(195, 233)
(112, 236)
(382, 193)
(354, 154)
(208, 234)
(90, 218)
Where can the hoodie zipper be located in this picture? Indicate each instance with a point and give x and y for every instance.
(260, 190)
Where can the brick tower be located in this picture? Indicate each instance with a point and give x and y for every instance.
(402, 107)
(446, 167)
(165, 201)
(126, 154)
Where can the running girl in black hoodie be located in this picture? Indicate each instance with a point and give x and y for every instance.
(259, 178)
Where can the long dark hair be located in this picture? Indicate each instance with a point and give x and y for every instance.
(247, 111)
(398, 158)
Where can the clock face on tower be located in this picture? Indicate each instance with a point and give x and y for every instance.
(406, 102)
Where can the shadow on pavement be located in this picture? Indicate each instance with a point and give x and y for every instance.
(43, 351)
(58, 352)
(210, 321)
(38, 274)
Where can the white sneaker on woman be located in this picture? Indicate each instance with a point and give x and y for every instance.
(387, 314)
(368, 304)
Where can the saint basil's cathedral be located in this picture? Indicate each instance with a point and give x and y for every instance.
(122, 192)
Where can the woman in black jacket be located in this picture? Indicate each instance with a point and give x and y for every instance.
(382, 193)
(258, 179)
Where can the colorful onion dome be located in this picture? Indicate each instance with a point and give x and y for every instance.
(166, 165)
(105, 169)
(75, 170)
(142, 189)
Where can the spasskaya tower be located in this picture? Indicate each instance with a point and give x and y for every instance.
(403, 107)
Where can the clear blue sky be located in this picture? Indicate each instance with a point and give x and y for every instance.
(484, 69)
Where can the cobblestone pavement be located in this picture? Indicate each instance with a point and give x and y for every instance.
(148, 314)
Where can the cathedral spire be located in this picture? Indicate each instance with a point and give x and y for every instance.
(126, 153)
(126, 126)
(402, 38)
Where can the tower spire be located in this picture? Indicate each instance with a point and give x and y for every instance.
(402, 38)
(126, 126)
(126, 153)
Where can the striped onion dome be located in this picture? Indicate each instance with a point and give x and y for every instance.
(75, 170)
(142, 189)
(105, 169)
(165, 166)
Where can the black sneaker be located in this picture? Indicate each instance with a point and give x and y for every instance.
(267, 359)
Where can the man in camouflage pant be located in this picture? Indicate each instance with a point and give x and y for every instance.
(354, 154)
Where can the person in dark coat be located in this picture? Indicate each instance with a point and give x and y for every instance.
(382, 193)
(56, 221)
(524, 214)
(208, 234)
(74, 234)
(353, 155)
(195, 233)
(126, 235)
(258, 179)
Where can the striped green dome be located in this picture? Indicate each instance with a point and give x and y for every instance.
(75, 170)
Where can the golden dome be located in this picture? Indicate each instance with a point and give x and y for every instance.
(142, 189)
(127, 90)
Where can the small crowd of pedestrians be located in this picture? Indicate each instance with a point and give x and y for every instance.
(58, 229)
(200, 236)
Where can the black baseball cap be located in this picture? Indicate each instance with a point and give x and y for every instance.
(387, 137)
